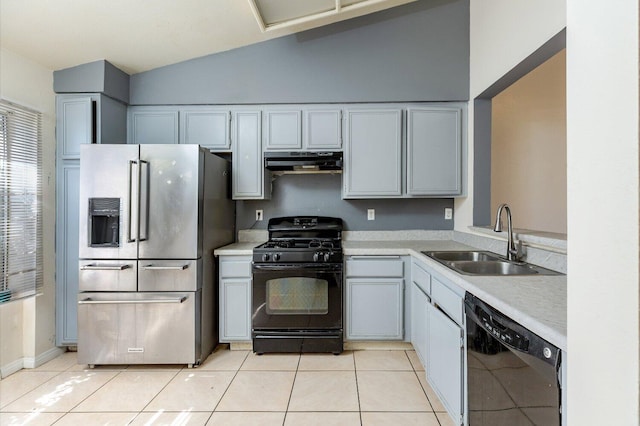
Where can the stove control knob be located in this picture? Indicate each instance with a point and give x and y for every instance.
(316, 256)
(276, 257)
(265, 257)
(326, 256)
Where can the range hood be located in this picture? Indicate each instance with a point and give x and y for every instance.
(303, 162)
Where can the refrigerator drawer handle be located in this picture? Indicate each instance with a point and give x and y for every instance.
(166, 268)
(104, 267)
(89, 301)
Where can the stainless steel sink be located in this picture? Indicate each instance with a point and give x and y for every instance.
(454, 256)
(485, 263)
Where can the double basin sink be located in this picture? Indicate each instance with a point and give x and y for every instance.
(485, 263)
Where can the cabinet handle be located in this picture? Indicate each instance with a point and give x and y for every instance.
(89, 301)
(95, 267)
(166, 268)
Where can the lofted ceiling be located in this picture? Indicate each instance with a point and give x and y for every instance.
(139, 35)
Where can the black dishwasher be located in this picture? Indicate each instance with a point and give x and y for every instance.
(512, 373)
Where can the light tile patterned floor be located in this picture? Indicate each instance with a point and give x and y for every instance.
(374, 387)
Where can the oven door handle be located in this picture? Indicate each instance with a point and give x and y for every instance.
(331, 267)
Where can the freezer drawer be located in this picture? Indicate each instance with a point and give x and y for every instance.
(169, 275)
(138, 328)
(108, 275)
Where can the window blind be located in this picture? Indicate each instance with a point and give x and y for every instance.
(21, 207)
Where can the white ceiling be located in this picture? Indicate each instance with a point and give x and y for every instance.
(139, 35)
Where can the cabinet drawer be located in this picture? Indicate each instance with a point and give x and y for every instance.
(448, 300)
(421, 277)
(235, 268)
(375, 266)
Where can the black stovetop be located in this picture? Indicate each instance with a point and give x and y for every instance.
(301, 239)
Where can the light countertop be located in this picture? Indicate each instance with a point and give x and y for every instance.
(539, 303)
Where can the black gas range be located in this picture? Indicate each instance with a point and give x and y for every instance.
(306, 239)
(297, 286)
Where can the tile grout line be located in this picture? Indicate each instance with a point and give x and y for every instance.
(355, 373)
(229, 385)
(286, 411)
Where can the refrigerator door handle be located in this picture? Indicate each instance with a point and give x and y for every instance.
(130, 239)
(143, 201)
(98, 267)
(90, 301)
(166, 267)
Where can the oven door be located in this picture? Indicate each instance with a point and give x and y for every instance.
(297, 297)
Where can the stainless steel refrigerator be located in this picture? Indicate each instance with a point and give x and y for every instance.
(150, 218)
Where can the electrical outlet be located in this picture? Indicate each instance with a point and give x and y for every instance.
(371, 214)
(259, 215)
(448, 213)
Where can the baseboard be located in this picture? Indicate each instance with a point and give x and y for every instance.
(12, 367)
(44, 357)
(30, 362)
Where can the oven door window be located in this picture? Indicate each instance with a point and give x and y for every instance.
(297, 295)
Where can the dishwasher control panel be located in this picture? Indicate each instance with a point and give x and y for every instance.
(503, 333)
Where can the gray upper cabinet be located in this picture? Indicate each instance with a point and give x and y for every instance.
(434, 151)
(250, 181)
(282, 130)
(206, 126)
(153, 125)
(88, 118)
(75, 124)
(373, 154)
(322, 129)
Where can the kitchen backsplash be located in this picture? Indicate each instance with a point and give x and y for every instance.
(320, 195)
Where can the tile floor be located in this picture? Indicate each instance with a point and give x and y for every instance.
(370, 387)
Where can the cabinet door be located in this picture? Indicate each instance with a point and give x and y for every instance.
(235, 309)
(207, 127)
(67, 219)
(248, 171)
(153, 125)
(75, 124)
(444, 367)
(373, 154)
(420, 323)
(434, 157)
(374, 308)
(322, 129)
(282, 130)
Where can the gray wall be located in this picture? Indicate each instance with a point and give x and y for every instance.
(319, 195)
(415, 52)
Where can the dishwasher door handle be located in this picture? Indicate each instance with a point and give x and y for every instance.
(90, 301)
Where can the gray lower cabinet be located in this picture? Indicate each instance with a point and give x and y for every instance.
(153, 125)
(374, 300)
(67, 218)
(420, 301)
(250, 179)
(445, 365)
(80, 119)
(373, 153)
(434, 151)
(235, 298)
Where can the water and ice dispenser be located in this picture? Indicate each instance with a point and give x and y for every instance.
(104, 222)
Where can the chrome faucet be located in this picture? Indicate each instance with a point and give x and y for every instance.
(512, 251)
